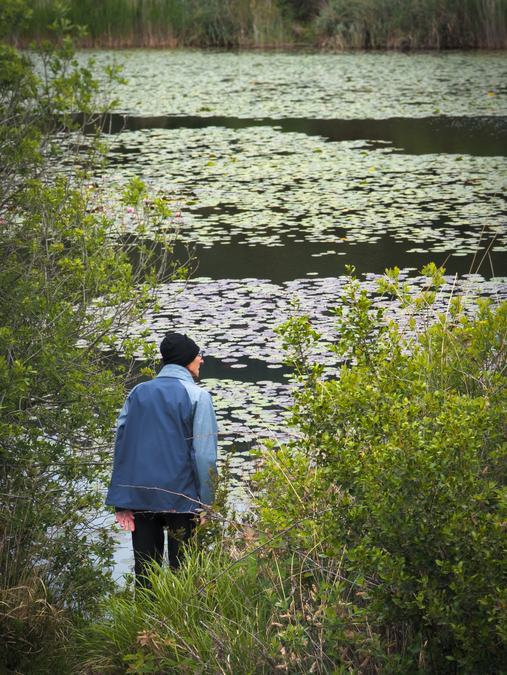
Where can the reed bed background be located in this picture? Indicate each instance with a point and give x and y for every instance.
(332, 24)
(169, 23)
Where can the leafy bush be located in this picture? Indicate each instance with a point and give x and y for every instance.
(401, 473)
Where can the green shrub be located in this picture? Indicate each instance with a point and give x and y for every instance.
(401, 473)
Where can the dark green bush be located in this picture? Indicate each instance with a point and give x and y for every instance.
(401, 473)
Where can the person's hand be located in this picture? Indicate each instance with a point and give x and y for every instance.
(204, 514)
(125, 520)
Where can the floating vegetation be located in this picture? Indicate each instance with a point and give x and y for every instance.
(257, 186)
(313, 85)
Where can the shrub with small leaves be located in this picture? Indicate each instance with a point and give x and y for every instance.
(400, 474)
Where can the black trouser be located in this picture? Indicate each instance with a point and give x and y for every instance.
(148, 539)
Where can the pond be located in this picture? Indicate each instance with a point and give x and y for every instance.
(282, 168)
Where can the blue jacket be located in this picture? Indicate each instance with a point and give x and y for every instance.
(166, 446)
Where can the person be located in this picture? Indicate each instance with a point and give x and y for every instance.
(165, 456)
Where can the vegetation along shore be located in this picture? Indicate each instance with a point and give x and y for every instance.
(330, 24)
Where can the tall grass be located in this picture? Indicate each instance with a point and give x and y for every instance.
(208, 617)
(34, 630)
(169, 23)
(416, 24)
(261, 613)
(339, 24)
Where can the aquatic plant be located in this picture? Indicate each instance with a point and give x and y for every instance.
(341, 194)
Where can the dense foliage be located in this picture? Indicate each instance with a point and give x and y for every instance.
(69, 288)
(411, 24)
(377, 542)
(379, 538)
(401, 474)
(336, 24)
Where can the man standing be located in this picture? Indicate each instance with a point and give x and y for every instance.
(165, 456)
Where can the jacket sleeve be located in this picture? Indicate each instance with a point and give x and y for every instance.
(205, 446)
(122, 417)
(120, 423)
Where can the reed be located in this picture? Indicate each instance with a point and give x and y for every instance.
(412, 24)
(338, 24)
(169, 23)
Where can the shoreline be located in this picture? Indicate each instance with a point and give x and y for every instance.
(171, 45)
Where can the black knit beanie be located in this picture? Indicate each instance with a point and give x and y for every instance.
(178, 348)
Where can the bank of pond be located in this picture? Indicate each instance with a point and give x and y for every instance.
(330, 24)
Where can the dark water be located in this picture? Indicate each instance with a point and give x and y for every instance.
(479, 136)
(293, 260)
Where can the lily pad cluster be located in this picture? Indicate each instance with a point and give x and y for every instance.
(317, 85)
(258, 186)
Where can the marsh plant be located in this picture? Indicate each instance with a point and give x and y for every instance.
(169, 23)
(338, 24)
(378, 542)
(406, 24)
